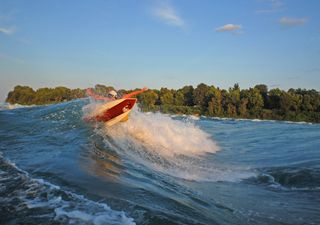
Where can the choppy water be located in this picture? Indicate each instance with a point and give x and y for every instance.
(155, 169)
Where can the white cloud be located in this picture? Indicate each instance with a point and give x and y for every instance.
(7, 31)
(276, 3)
(287, 21)
(229, 27)
(168, 14)
(6, 18)
(271, 6)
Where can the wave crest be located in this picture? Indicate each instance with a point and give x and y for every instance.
(164, 135)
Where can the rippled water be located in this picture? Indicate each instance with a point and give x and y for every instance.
(155, 169)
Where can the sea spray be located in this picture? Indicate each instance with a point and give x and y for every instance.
(164, 135)
(91, 109)
(172, 146)
(8, 106)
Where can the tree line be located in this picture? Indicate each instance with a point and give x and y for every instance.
(252, 103)
(25, 95)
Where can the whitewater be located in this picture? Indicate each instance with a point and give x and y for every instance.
(55, 168)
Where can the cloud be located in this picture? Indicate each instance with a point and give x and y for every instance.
(6, 26)
(167, 14)
(276, 3)
(271, 6)
(229, 27)
(7, 31)
(287, 21)
(11, 58)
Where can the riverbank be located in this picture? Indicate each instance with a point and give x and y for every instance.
(254, 103)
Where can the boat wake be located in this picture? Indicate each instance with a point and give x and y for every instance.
(173, 146)
(289, 178)
(35, 201)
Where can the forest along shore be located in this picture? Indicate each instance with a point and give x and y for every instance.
(253, 103)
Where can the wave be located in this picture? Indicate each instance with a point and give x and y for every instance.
(164, 135)
(8, 106)
(176, 147)
(257, 120)
(290, 178)
(36, 201)
(188, 117)
(300, 122)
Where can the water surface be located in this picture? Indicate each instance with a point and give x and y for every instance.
(155, 169)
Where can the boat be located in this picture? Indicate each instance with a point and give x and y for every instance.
(115, 111)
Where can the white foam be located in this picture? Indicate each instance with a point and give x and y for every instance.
(259, 120)
(164, 135)
(162, 142)
(300, 122)
(39, 203)
(91, 109)
(274, 184)
(8, 106)
(209, 173)
(78, 216)
(67, 206)
(193, 117)
(52, 186)
(171, 146)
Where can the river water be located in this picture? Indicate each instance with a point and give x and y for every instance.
(155, 169)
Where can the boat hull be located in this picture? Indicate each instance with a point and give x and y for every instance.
(115, 111)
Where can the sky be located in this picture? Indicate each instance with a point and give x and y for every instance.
(172, 43)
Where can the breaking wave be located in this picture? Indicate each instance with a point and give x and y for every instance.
(290, 178)
(8, 106)
(174, 146)
(164, 136)
(35, 201)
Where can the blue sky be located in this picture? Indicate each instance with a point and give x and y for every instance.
(131, 43)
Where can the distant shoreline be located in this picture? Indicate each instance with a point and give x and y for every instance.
(296, 105)
(17, 106)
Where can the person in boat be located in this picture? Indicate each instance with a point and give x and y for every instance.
(113, 95)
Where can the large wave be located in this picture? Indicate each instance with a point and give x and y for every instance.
(163, 135)
(174, 146)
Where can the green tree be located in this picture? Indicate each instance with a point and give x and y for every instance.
(201, 95)
(101, 89)
(233, 100)
(274, 98)
(264, 93)
(215, 103)
(187, 95)
(243, 110)
(166, 97)
(148, 100)
(231, 110)
(61, 94)
(289, 101)
(43, 96)
(23, 95)
(179, 98)
(77, 93)
(255, 104)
